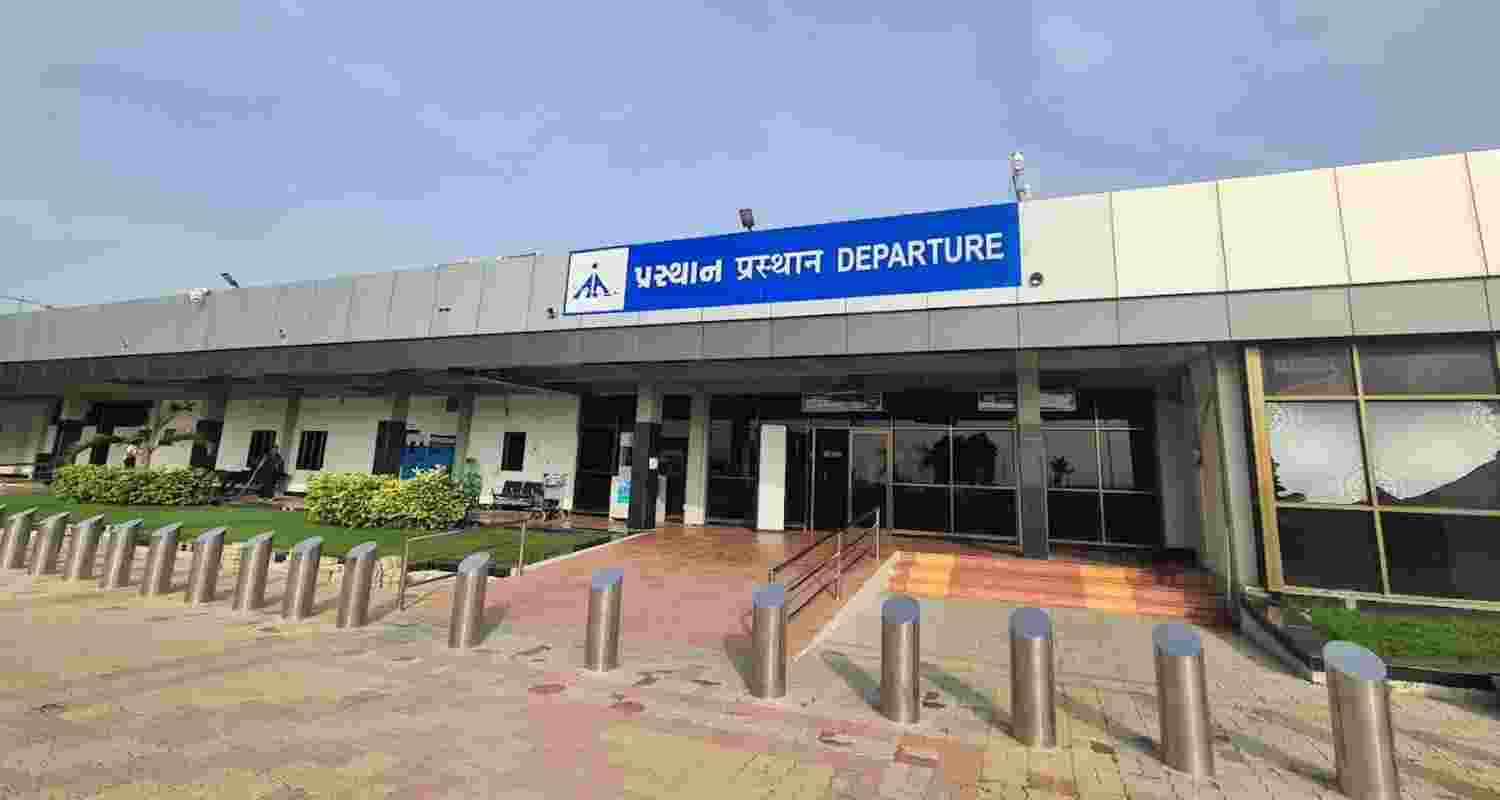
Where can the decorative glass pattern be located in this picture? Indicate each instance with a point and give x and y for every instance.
(1316, 454)
(1436, 453)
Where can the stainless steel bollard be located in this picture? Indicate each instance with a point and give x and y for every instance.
(1364, 742)
(255, 564)
(900, 651)
(83, 548)
(203, 573)
(601, 644)
(161, 559)
(17, 540)
(1187, 733)
(49, 543)
(354, 592)
(768, 641)
(1033, 683)
(466, 625)
(119, 553)
(301, 579)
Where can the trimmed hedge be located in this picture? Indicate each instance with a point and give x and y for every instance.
(166, 486)
(431, 500)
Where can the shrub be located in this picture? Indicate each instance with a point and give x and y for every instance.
(430, 500)
(171, 486)
(345, 499)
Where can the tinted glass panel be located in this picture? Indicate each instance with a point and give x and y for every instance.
(1071, 459)
(1428, 366)
(1308, 370)
(596, 450)
(1124, 409)
(733, 447)
(921, 407)
(608, 410)
(1073, 516)
(1081, 417)
(1436, 454)
(922, 455)
(1329, 549)
(921, 508)
(985, 511)
(591, 491)
(513, 452)
(677, 406)
(1443, 556)
(1129, 459)
(1132, 519)
(1316, 454)
(731, 499)
(985, 458)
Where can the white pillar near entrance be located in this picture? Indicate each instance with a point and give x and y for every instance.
(695, 502)
(771, 495)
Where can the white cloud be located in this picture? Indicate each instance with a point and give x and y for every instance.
(1074, 49)
(371, 77)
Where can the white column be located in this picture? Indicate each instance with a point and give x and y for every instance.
(695, 504)
(1228, 543)
(771, 494)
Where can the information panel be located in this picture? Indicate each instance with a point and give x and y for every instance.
(967, 248)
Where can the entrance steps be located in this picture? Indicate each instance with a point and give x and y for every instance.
(1177, 593)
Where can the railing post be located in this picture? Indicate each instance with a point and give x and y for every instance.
(83, 548)
(354, 593)
(521, 556)
(17, 540)
(900, 651)
(1364, 743)
(255, 565)
(301, 579)
(119, 555)
(838, 580)
(1187, 736)
(466, 625)
(1032, 678)
(602, 637)
(877, 537)
(49, 543)
(768, 642)
(161, 558)
(401, 580)
(203, 572)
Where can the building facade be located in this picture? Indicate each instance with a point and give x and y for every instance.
(1292, 376)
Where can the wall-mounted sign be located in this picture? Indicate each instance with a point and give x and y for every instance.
(968, 248)
(842, 402)
(1052, 400)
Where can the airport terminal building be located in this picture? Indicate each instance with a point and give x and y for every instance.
(1292, 376)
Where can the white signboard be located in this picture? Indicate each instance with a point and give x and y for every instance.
(1052, 400)
(842, 402)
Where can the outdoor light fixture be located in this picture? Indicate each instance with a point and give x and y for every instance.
(229, 279)
(1017, 167)
(747, 218)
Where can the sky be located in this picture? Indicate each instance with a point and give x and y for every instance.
(151, 146)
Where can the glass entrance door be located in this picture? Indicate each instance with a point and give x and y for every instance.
(869, 474)
(830, 478)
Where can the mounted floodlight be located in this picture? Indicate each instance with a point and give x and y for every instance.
(229, 279)
(1017, 163)
(747, 218)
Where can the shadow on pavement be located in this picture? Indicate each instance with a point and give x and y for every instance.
(863, 684)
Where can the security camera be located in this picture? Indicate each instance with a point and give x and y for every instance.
(197, 296)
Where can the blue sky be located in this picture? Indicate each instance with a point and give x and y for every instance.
(150, 146)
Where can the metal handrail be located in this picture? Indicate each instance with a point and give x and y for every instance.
(837, 559)
(405, 583)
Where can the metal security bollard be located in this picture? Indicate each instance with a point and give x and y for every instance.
(301, 579)
(255, 565)
(83, 548)
(1032, 678)
(1364, 743)
(354, 592)
(900, 651)
(49, 543)
(1187, 734)
(161, 559)
(119, 553)
(601, 645)
(203, 574)
(17, 540)
(768, 642)
(466, 626)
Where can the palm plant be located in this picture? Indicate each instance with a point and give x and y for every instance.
(157, 433)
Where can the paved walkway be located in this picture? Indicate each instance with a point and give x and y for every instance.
(112, 696)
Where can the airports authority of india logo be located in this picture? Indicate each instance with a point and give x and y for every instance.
(596, 281)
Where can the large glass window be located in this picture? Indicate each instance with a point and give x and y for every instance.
(733, 458)
(1101, 470)
(1417, 419)
(984, 458)
(922, 455)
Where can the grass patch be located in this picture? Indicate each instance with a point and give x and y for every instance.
(503, 544)
(1451, 636)
(292, 527)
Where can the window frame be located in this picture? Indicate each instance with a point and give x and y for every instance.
(513, 443)
(304, 457)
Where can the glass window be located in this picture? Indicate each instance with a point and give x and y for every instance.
(1329, 549)
(1428, 366)
(985, 458)
(1308, 370)
(1132, 519)
(1316, 454)
(616, 409)
(1082, 416)
(734, 447)
(261, 443)
(596, 450)
(513, 452)
(1072, 461)
(1436, 454)
(1124, 409)
(1443, 555)
(310, 449)
(920, 407)
(731, 499)
(922, 455)
(920, 508)
(990, 512)
(1074, 516)
(591, 491)
(1129, 459)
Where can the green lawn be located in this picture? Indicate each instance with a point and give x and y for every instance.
(1456, 637)
(292, 527)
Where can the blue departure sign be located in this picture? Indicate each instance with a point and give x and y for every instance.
(967, 248)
